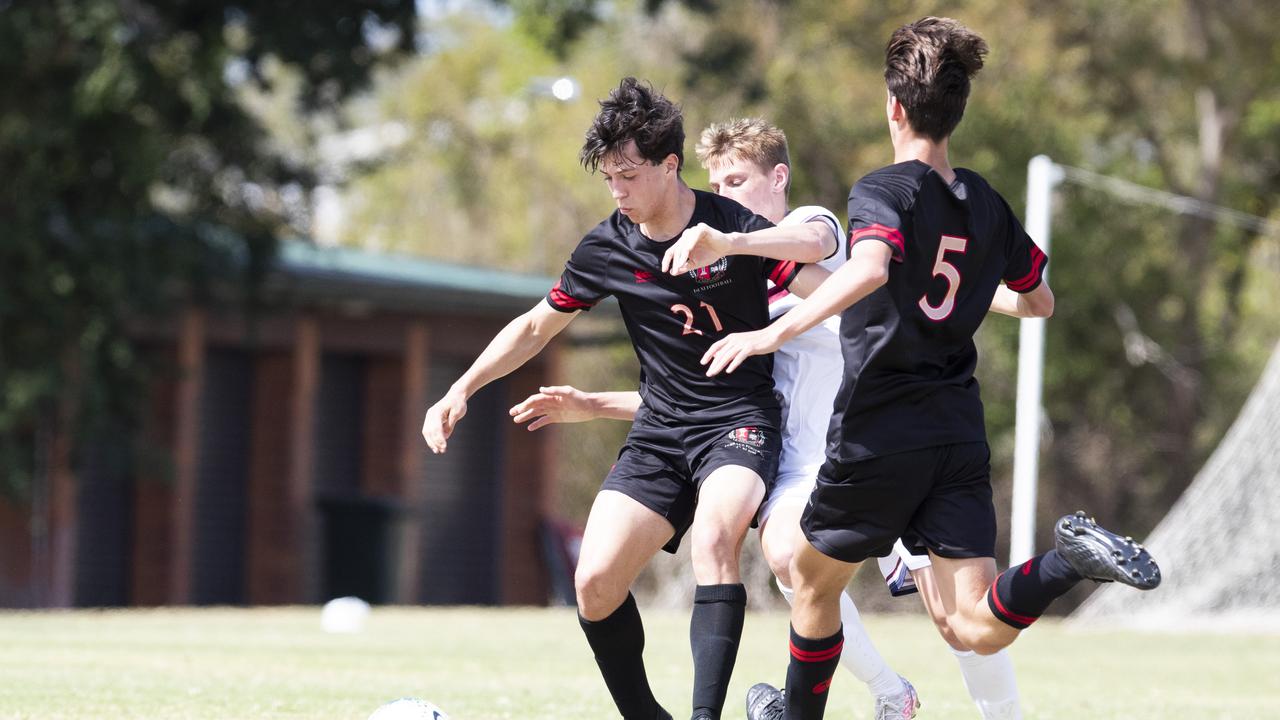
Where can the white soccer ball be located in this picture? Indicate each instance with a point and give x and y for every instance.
(408, 709)
(344, 615)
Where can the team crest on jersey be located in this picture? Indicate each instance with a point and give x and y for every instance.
(710, 273)
(748, 438)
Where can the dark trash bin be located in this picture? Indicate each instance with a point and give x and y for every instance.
(360, 547)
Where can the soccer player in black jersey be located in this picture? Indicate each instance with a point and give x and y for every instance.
(702, 450)
(907, 454)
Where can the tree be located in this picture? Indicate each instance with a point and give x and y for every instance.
(135, 177)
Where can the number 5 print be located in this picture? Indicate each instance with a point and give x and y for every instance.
(949, 243)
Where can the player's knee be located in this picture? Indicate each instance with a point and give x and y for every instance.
(948, 635)
(809, 594)
(778, 555)
(596, 593)
(987, 647)
(972, 636)
(714, 553)
(943, 624)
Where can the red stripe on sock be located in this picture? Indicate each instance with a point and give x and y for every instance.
(813, 656)
(1024, 619)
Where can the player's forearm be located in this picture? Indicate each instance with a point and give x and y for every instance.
(619, 405)
(1006, 302)
(846, 286)
(513, 346)
(1037, 303)
(804, 242)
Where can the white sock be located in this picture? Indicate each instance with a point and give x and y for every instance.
(991, 683)
(859, 656)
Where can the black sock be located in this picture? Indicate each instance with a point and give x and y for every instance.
(714, 632)
(813, 662)
(618, 644)
(1020, 595)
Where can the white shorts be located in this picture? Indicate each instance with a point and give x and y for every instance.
(807, 372)
(896, 569)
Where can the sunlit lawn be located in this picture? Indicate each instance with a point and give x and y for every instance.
(534, 663)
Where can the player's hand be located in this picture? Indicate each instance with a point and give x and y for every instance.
(699, 246)
(441, 419)
(554, 404)
(730, 351)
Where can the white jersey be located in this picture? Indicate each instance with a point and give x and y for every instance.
(780, 300)
(807, 371)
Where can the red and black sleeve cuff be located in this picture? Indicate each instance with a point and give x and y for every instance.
(783, 272)
(564, 302)
(1031, 280)
(885, 234)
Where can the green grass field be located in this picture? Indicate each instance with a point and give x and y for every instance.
(532, 663)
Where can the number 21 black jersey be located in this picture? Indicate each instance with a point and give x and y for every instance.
(672, 321)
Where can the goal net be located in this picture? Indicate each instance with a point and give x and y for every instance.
(1219, 546)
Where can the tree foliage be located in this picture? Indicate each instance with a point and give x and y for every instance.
(135, 177)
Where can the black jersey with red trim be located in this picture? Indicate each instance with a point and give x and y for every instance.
(672, 321)
(908, 347)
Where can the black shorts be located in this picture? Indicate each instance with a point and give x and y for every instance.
(936, 499)
(663, 462)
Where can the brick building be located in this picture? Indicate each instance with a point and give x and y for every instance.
(281, 459)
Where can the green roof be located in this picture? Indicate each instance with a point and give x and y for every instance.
(343, 274)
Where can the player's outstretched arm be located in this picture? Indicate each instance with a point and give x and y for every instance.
(512, 347)
(567, 404)
(702, 245)
(1035, 304)
(867, 269)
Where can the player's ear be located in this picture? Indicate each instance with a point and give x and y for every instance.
(781, 176)
(893, 108)
(671, 163)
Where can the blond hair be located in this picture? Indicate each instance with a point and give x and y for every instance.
(750, 139)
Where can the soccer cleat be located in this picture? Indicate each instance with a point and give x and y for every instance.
(1099, 554)
(899, 706)
(765, 702)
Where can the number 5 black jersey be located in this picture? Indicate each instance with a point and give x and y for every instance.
(908, 347)
(672, 321)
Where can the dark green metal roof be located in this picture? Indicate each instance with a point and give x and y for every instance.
(345, 276)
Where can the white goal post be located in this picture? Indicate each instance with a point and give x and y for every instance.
(1042, 176)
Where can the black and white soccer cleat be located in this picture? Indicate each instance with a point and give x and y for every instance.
(1099, 554)
(765, 702)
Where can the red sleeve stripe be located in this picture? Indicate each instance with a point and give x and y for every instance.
(564, 300)
(783, 273)
(1028, 281)
(893, 236)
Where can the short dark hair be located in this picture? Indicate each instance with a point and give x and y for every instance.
(927, 66)
(635, 111)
